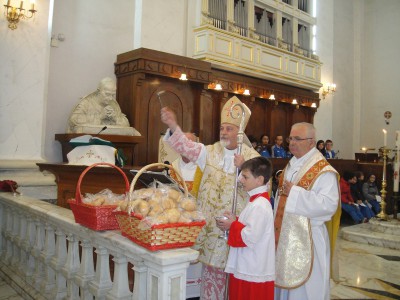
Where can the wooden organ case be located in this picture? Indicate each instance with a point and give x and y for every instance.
(143, 73)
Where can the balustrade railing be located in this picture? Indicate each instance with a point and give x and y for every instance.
(46, 255)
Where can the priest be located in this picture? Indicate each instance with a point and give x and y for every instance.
(218, 162)
(308, 196)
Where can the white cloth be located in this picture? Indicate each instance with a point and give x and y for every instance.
(318, 204)
(186, 170)
(256, 262)
(92, 154)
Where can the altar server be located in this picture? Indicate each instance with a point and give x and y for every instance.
(251, 260)
(218, 162)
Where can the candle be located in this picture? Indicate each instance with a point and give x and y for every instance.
(22, 4)
(384, 137)
(32, 4)
(397, 164)
(8, 2)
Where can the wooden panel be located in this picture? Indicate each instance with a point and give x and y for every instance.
(142, 73)
(258, 120)
(299, 115)
(279, 121)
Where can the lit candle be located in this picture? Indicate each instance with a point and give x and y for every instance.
(384, 137)
(397, 164)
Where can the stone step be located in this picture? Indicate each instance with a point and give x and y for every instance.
(31, 182)
(392, 226)
(364, 234)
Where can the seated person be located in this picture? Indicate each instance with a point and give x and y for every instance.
(98, 108)
(321, 147)
(329, 153)
(371, 193)
(264, 147)
(277, 150)
(356, 191)
(348, 204)
(287, 149)
(274, 185)
(253, 141)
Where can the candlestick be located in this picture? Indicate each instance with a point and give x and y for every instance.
(396, 164)
(382, 215)
(384, 137)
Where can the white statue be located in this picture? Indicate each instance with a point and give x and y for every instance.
(98, 109)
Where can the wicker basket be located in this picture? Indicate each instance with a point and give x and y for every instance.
(95, 217)
(162, 236)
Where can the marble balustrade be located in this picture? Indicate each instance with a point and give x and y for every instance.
(46, 255)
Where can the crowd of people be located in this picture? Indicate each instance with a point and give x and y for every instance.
(326, 149)
(280, 149)
(260, 260)
(359, 198)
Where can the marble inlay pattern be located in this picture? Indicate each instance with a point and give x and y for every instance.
(366, 272)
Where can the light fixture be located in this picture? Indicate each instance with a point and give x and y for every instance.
(314, 105)
(183, 77)
(272, 97)
(327, 89)
(14, 14)
(243, 90)
(294, 102)
(215, 86)
(365, 149)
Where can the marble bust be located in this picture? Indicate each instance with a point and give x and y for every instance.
(100, 109)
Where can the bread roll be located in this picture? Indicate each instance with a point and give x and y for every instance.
(143, 193)
(160, 219)
(123, 205)
(182, 219)
(168, 203)
(142, 208)
(155, 210)
(98, 201)
(154, 201)
(173, 215)
(174, 194)
(188, 204)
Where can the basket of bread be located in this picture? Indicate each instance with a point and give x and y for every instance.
(161, 216)
(95, 211)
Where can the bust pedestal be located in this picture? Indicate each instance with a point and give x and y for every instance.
(126, 143)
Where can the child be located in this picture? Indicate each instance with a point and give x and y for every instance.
(251, 260)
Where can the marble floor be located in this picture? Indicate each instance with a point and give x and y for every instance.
(7, 292)
(365, 272)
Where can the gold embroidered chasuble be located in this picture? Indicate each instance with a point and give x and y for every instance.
(214, 198)
(294, 254)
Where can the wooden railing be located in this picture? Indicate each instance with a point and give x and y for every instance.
(44, 254)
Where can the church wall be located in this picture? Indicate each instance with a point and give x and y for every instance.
(380, 72)
(323, 116)
(24, 56)
(36, 78)
(95, 32)
(344, 113)
(94, 38)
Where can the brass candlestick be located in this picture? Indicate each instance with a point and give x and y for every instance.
(382, 215)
